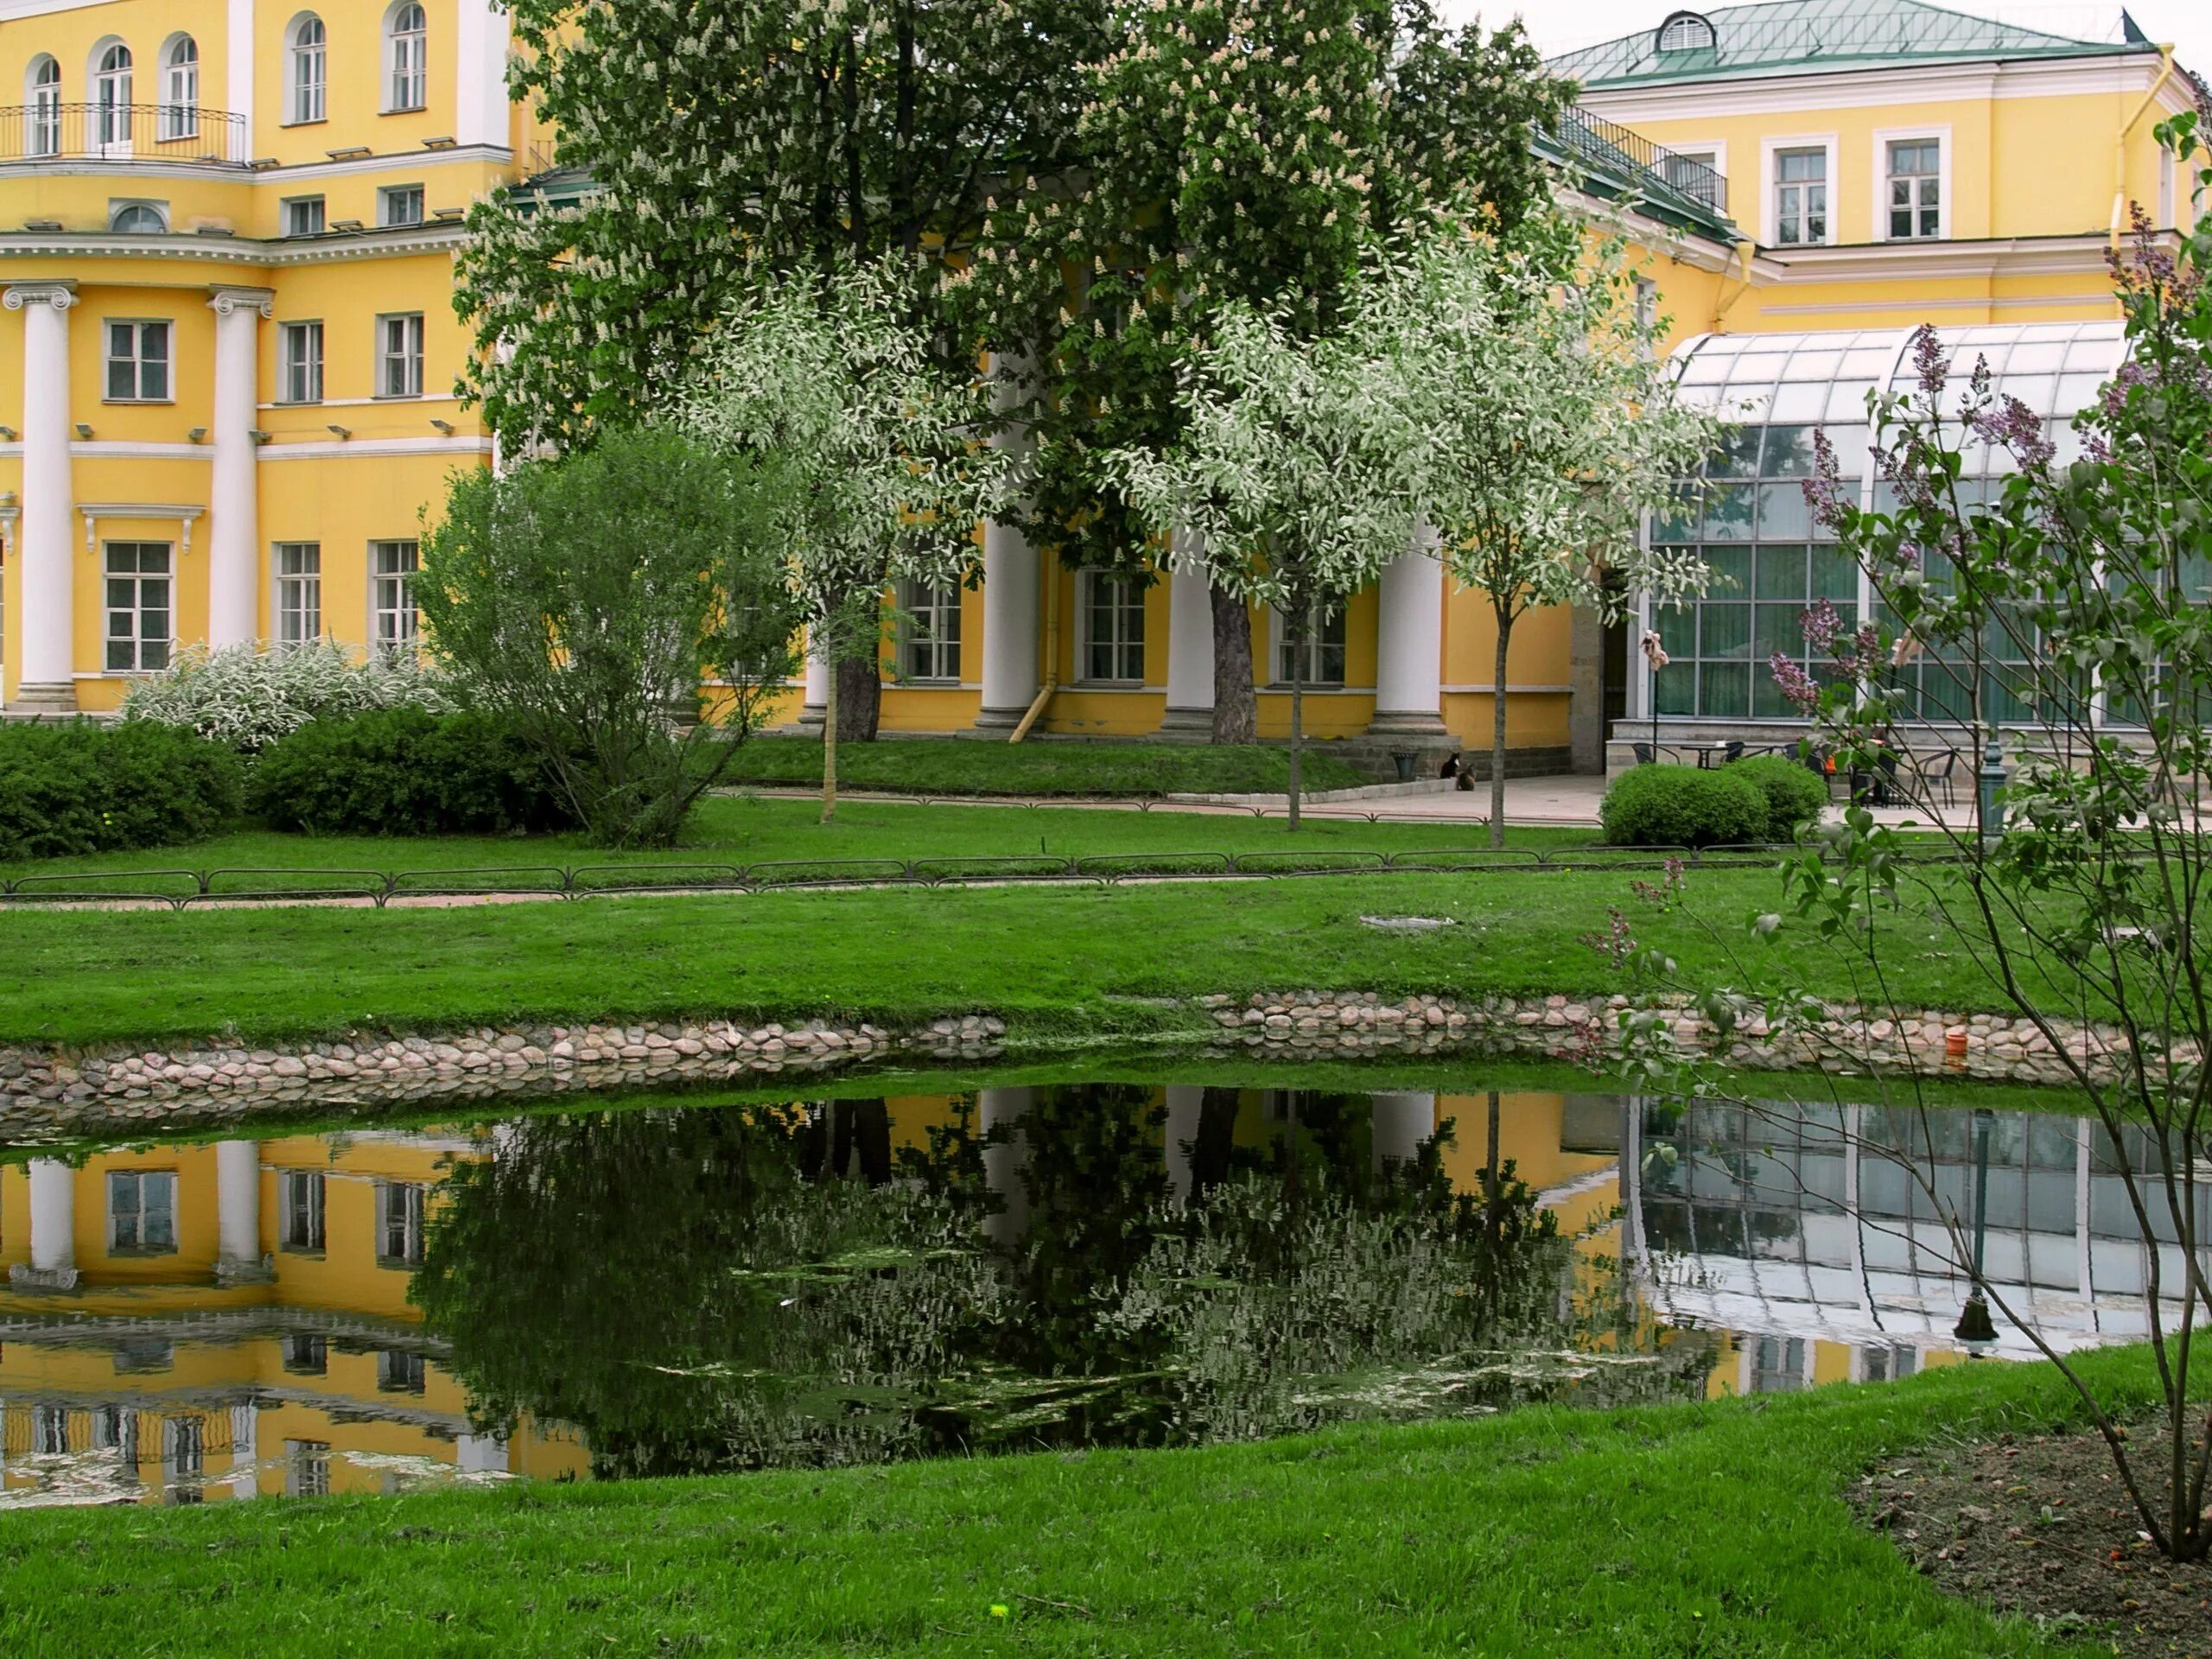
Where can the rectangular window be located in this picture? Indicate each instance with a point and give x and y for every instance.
(928, 644)
(138, 626)
(142, 1212)
(137, 362)
(399, 356)
(299, 592)
(398, 1372)
(303, 216)
(1915, 200)
(307, 1356)
(1695, 172)
(302, 1213)
(1778, 1365)
(1323, 664)
(300, 367)
(184, 1447)
(391, 598)
(306, 1468)
(400, 204)
(1801, 197)
(1113, 626)
(400, 1223)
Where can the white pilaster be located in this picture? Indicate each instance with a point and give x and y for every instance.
(482, 112)
(1184, 1106)
(1190, 653)
(238, 75)
(45, 679)
(1010, 680)
(54, 1228)
(234, 539)
(245, 1452)
(1401, 1123)
(1409, 647)
(1002, 1165)
(238, 1205)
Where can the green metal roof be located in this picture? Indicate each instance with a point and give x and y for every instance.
(1794, 37)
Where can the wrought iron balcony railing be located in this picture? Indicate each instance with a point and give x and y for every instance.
(1618, 150)
(121, 132)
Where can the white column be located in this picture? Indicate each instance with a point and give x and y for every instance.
(1189, 654)
(481, 1454)
(237, 56)
(814, 711)
(482, 115)
(1010, 680)
(234, 537)
(1184, 1106)
(245, 1452)
(237, 1206)
(54, 1228)
(1002, 1165)
(1409, 647)
(47, 676)
(1401, 1123)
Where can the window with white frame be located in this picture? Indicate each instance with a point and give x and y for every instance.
(929, 632)
(142, 1212)
(407, 35)
(400, 204)
(306, 1468)
(137, 362)
(299, 363)
(1113, 626)
(308, 98)
(139, 629)
(304, 216)
(307, 1356)
(1801, 197)
(1323, 662)
(399, 355)
(1686, 31)
(44, 134)
(111, 95)
(300, 1209)
(138, 218)
(399, 1371)
(400, 1223)
(299, 592)
(391, 598)
(180, 89)
(1915, 202)
(1695, 172)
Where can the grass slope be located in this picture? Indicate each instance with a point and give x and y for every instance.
(934, 766)
(1054, 960)
(1709, 1530)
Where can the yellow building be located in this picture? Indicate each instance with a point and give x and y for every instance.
(227, 227)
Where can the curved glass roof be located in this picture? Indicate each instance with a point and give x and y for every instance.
(1823, 379)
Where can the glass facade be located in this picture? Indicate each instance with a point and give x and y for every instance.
(1745, 512)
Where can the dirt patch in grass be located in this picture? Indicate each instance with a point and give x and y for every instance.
(2041, 1526)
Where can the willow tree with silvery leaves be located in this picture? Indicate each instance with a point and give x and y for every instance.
(826, 381)
(1547, 426)
(1292, 484)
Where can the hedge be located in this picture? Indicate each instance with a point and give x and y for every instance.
(84, 787)
(404, 771)
(1796, 794)
(1683, 806)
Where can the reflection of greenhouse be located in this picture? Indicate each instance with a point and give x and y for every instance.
(1801, 1224)
(1748, 520)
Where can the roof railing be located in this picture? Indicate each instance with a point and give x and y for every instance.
(1609, 146)
(138, 133)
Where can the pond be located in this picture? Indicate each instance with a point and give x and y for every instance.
(681, 1285)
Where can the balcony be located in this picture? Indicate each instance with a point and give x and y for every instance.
(1633, 159)
(137, 133)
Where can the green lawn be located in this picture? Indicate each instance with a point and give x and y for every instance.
(1056, 962)
(1041, 767)
(1706, 1530)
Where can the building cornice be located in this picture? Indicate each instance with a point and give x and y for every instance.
(2019, 255)
(400, 161)
(200, 248)
(1795, 91)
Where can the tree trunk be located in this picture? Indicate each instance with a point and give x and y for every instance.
(830, 744)
(1214, 1146)
(1497, 732)
(860, 685)
(1297, 723)
(1236, 710)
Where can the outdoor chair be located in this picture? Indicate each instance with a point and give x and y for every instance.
(1942, 774)
(1644, 754)
(1734, 751)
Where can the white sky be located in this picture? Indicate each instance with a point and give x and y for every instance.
(1563, 25)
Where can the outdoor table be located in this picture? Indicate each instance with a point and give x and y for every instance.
(1710, 755)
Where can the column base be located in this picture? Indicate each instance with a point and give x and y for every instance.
(1188, 721)
(53, 697)
(999, 720)
(251, 1271)
(1412, 722)
(52, 1280)
(813, 716)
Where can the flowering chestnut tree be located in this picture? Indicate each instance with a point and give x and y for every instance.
(826, 381)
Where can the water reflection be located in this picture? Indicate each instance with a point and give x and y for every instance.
(682, 1288)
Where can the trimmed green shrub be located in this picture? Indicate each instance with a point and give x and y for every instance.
(1794, 793)
(404, 771)
(1683, 806)
(84, 787)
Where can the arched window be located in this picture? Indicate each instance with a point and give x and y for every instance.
(310, 64)
(1686, 31)
(407, 57)
(112, 95)
(181, 88)
(138, 219)
(42, 93)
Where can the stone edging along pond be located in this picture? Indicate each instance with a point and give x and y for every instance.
(119, 1091)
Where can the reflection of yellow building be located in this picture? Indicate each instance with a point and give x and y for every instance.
(231, 1319)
